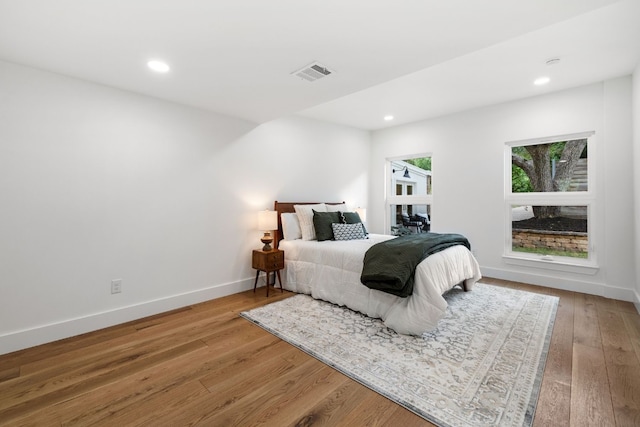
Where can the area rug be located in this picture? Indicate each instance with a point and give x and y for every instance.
(483, 365)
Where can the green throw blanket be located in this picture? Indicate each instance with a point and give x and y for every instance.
(389, 266)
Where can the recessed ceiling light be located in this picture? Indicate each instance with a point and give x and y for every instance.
(158, 66)
(388, 118)
(541, 81)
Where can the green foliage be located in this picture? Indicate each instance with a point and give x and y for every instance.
(555, 150)
(520, 181)
(421, 162)
(545, 251)
(521, 151)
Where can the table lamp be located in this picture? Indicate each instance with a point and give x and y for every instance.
(267, 221)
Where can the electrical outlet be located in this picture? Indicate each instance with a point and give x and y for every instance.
(116, 286)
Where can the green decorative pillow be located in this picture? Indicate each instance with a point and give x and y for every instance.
(322, 223)
(352, 218)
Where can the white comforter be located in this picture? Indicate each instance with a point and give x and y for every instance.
(330, 271)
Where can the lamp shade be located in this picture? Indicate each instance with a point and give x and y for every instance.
(267, 220)
(362, 213)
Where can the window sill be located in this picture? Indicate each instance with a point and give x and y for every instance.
(553, 263)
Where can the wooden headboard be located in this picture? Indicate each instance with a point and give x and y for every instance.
(287, 207)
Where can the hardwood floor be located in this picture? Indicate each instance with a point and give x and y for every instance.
(204, 365)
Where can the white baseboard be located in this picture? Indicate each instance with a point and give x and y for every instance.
(71, 327)
(586, 287)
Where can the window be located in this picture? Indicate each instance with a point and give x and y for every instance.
(409, 195)
(549, 200)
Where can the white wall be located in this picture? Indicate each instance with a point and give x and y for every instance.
(636, 162)
(99, 184)
(468, 170)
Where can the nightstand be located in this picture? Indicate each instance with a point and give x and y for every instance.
(268, 261)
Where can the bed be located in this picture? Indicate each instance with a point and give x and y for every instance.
(330, 270)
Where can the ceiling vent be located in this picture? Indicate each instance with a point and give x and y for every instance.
(313, 72)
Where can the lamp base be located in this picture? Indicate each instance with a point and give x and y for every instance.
(267, 239)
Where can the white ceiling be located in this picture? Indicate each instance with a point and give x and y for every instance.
(411, 58)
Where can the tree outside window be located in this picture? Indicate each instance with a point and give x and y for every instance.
(549, 199)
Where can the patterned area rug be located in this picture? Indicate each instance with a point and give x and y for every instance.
(483, 365)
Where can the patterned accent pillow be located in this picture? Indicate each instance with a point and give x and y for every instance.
(348, 231)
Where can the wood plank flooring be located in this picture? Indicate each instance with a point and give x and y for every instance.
(204, 365)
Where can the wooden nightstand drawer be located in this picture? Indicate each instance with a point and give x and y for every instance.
(268, 261)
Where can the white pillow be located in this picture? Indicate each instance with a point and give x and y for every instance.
(337, 208)
(305, 217)
(290, 226)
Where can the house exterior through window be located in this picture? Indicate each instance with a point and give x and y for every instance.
(409, 196)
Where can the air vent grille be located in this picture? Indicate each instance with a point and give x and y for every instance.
(313, 72)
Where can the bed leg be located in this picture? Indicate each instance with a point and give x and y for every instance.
(463, 285)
